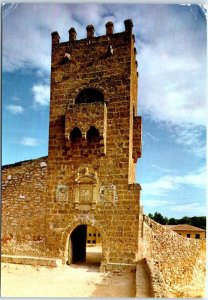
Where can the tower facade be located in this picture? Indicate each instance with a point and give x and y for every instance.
(94, 144)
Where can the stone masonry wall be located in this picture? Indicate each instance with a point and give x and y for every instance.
(88, 179)
(23, 207)
(108, 167)
(177, 264)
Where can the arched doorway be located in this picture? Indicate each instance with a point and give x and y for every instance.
(85, 246)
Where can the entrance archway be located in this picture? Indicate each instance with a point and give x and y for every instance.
(85, 246)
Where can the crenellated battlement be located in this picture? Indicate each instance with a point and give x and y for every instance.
(90, 30)
(108, 40)
(91, 40)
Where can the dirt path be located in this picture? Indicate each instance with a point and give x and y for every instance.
(116, 285)
(66, 281)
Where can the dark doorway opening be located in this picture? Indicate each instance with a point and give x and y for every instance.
(78, 239)
(85, 246)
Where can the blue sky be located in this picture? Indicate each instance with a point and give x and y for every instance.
(171, 55)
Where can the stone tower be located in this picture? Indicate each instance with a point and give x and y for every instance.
(94, 143)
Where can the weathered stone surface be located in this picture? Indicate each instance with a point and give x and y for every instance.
(143, 281)
(104, 200)
(24, 208)
(31, 260)
(89, 174)
(176, 263)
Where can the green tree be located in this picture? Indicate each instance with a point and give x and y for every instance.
(185, 220)
(194, 221)
(158, 217)
(151, 216)
(199, 222)
(172, 221)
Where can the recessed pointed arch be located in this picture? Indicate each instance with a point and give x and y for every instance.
(75, 135)
(93, 134)
(89, 95)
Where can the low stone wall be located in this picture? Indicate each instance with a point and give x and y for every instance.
(117, 267)
(24, 207)
(176, 264)
(31, 260)
(158, 285)
(144, 288)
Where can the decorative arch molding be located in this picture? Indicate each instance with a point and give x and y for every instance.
(86, 116)
(84, 219)
(86, 130)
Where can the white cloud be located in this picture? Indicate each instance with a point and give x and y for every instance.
(159, 187)
(31, 142)
(189, 208)
(175, 208)
(171, 52)
(167, 90)
(166, 184)
(32, 43)
(193, 137)
(196, 179)
(32, 34)
(155, 203)
(162, 169)
(152, 137)
(172, 82)
(15, 109)
(41, 94)
(9, 7)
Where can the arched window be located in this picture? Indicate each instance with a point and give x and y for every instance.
(92, 135)
(75, 135)
(89, 95)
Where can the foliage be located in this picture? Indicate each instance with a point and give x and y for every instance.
(159, 218)
(194, 221)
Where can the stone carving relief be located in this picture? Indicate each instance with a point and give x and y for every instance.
(85, 218)
(85, 193)
(62, 193)
(86, 190)
(108, 195)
